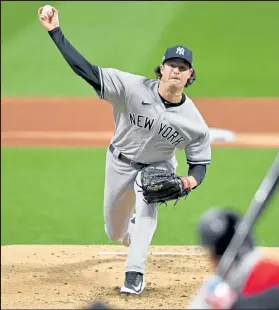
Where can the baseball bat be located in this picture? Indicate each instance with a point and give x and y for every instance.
(257, 205)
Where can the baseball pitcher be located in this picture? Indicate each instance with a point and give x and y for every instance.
(153, 118)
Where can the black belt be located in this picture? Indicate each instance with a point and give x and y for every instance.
(126, 160)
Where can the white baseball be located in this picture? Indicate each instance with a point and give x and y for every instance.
(47, 10)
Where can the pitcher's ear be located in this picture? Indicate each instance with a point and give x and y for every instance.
(191, 71)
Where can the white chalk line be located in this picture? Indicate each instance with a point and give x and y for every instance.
(154, 253)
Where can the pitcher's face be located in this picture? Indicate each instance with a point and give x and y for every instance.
(176, 72)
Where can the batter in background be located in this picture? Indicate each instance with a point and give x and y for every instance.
(153, 118)
(252, 281)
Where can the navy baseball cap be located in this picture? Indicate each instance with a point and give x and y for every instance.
(178, 51)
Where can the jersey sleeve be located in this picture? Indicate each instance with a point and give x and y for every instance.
(108, 83)
(79, 64)
(114, 85)
(264, 275)
(199, 150)
(197, 171)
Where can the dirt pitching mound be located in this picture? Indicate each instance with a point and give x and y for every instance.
(70, 277)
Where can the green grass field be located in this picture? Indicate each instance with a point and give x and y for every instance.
(54, 196)
(235, 52)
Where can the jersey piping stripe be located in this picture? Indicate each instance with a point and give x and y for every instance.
(198, 162)
(102, 82)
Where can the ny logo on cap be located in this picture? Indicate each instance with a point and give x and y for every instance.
(180, 50)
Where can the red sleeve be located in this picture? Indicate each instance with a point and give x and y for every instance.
(263, 276)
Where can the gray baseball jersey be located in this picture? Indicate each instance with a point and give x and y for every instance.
(145, 130)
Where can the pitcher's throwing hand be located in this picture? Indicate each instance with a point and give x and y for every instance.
(48, 22)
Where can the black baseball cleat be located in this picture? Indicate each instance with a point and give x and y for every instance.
(134, 283)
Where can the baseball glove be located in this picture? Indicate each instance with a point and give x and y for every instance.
(160, 184)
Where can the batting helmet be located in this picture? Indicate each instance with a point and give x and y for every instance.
(216, 228)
